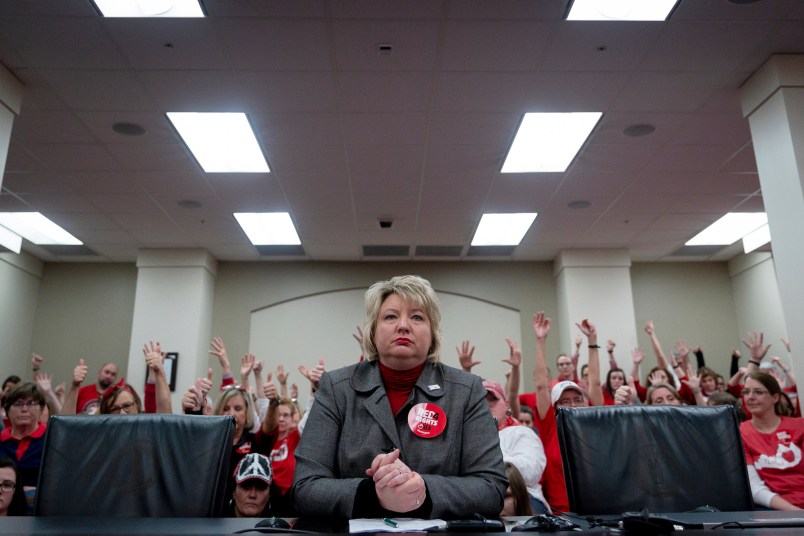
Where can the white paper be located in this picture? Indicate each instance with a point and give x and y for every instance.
(405, 524)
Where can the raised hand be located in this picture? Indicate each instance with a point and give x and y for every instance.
(649, 327)
(465, 356)
(257, 367)
(514, 353)
(637, 355)
(219, 351)
(578, 343)
(154, 358)
(281, 375)
(541, 325)
(314, 374)
(784, 341)
(624, 395)
(269, 388)
(610, 344)
(294, 391)
(359, 337)
(587, 328)
(682, 349)
(44, 381)
(80, 372)
(754, 341)
(246, 365)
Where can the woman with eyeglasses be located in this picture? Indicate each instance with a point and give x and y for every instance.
(23, 442)
(12, 499)
(773, 446)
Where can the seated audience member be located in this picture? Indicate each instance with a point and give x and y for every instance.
(519, 445)
(87, 398)
(252, 492)
(525, 416)
(517, 500)
(723, 398)
(283, 461)
(662, 394)
(564, 393)
(238, 403)
(120, 399)
(24, 440)
(615, 379)
(400, 432)
(8, 385)
(12, 498)
(773, 445)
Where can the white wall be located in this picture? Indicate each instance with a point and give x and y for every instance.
(19, 288)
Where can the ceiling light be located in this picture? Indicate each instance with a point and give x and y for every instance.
(629, 10)
(756, 238)
(268, 228)
(150, 8)
(729, 229)
(221, 142)
(10, 240)
(36, 228)
(502, 229)
(548, 142)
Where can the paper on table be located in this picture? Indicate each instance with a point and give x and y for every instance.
(405, 524)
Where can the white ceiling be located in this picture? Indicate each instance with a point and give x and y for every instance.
(417, 136)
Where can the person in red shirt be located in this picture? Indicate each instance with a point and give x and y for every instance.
(773, 446)
(565, 393)
(283, 461)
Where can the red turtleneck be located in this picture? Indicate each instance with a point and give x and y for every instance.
(399, 384)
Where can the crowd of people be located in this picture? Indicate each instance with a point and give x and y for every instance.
(400, 432)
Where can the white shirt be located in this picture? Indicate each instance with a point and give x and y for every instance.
(522, 447)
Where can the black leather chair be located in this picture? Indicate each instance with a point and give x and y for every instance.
(134, 466)
(663, 458)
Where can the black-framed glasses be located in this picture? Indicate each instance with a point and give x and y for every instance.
(19, 404)
(122, 407)
(7, 486)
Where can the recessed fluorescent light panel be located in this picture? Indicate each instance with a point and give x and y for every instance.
(628, 10)
(268, 228)
(547, 142)
(36, 228)
(756, 238)
(10, 240)
(729, 229)
(221, 142)
(502, 229)
(150, 8)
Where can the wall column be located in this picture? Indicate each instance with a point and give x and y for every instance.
(596, 284)
(173, 305)
(773, 102)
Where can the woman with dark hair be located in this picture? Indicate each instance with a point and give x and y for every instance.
(614, 380)
(12, 498)
(24, 440)
(517, 499)
(773, 446)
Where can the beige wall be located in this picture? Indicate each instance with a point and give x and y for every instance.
(86, 309)
(19, 289)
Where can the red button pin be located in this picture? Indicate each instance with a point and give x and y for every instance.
(427, 420)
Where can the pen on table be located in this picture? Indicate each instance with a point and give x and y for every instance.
(390, 522)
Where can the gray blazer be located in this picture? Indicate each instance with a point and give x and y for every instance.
(351, 422)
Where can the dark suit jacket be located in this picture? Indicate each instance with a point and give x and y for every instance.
(351, 422)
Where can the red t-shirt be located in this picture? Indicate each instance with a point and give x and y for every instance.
(283, 462)
(88, 400)
(555, 489)
(777, 457)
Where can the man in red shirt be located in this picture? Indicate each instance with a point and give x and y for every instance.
(89, 395)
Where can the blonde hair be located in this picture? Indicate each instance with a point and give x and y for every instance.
(413, 289)
(230, 393)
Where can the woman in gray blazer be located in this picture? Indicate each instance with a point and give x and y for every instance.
(400, 433)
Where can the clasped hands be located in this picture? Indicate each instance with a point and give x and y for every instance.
(398, 488)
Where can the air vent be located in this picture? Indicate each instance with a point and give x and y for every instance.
(386, 251)
(438, 251)
(69, 251)
(696, 251)
(490, 251)
(280, 251)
